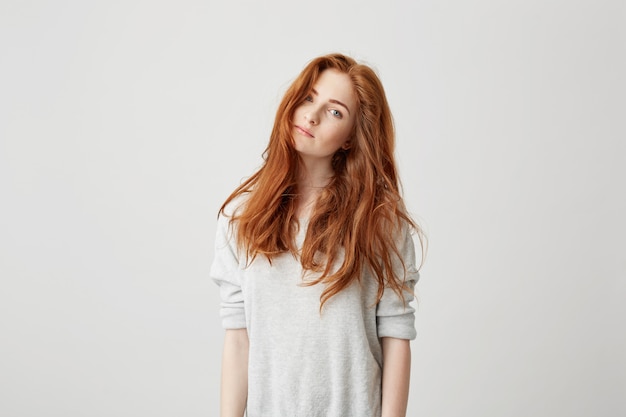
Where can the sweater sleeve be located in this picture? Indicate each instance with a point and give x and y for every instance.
(225, 273)
(396, 318)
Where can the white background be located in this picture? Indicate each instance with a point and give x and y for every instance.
(125, 124)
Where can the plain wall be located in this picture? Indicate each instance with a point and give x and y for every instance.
(125, 124)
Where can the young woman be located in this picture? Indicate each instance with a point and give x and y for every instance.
(316, 261)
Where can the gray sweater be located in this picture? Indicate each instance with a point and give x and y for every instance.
(303, 363)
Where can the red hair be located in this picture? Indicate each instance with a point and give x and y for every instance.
(358, 216)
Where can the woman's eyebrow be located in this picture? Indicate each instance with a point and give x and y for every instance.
(332, 100)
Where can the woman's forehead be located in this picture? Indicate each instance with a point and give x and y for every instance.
(335, 85)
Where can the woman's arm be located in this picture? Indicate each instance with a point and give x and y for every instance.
(234, 391)
(396, 376)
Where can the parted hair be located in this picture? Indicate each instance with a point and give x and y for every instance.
(359, 215)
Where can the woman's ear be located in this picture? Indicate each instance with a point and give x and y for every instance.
(346, 145)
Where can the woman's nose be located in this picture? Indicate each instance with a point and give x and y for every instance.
(311, 117)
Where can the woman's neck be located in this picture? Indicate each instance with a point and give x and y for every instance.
(312, 179)
(314, 174)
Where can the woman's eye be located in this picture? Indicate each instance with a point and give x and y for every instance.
(335, 113)
(308, 98)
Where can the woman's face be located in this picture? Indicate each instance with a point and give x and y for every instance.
(322, 123)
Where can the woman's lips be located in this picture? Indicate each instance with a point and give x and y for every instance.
(304, 131)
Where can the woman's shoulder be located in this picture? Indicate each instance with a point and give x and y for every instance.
(234, 206)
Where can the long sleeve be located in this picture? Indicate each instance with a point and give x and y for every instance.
(225, 272)
(396, 318)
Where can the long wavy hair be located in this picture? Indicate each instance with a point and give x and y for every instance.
(359, 214)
